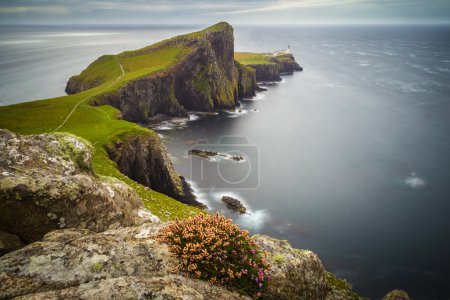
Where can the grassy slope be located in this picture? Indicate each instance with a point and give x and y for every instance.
(251, 58)
(98, 124)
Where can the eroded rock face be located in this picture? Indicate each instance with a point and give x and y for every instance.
(267, 72)
(122, 263)
(46, 183)
(295, 274)
(246, 81)
(144, 159)
(9, 242)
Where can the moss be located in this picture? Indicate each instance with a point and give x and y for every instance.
(279, 259)
(341, 285)
(97, 267)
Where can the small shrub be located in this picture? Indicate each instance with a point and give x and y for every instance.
(212, 248)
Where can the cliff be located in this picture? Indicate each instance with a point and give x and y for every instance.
(201, 77)
(144, 159)
(268, 67)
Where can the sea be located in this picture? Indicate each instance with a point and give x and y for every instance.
(349, 158)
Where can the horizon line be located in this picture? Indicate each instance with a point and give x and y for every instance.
(234, 24)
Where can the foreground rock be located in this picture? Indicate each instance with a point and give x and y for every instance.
(116, 264)
(295, 274)
(396, 295)
(129, 263)
(46, 183)
(234, 204)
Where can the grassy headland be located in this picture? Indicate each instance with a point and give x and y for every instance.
(99, 124)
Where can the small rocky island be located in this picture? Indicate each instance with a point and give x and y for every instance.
(84, 188)
(209, 154)
(234, 204)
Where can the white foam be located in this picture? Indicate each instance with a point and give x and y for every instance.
(237, 113)
(201, 196)
(363, 63)
(413, 181)
(193, 117)
(253, 220)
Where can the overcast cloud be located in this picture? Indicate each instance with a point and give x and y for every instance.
(234, 11)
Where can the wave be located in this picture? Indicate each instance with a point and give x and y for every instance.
(413, 181)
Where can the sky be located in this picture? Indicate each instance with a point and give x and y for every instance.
(233, 11)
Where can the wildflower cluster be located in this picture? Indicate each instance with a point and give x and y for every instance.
(212, 248)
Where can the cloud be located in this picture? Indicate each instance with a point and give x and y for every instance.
(48, 9)
(287, 4)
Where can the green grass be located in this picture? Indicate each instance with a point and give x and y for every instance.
(102, 70)
(342, 285)
(98, 124)
(251, 58)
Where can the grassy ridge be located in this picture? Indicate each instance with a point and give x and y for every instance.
(98, 124)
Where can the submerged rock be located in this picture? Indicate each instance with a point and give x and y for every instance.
(47, 183)
(234, 204)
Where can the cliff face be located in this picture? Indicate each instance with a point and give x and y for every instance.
(46, 183)
(246, 80)
(144, 159)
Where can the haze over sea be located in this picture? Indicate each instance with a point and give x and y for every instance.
(352, 155)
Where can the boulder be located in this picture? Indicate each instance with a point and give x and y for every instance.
(295, 274)
(396, 295)
(47, 183)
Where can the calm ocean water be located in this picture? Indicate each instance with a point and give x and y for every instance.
(350, 158)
